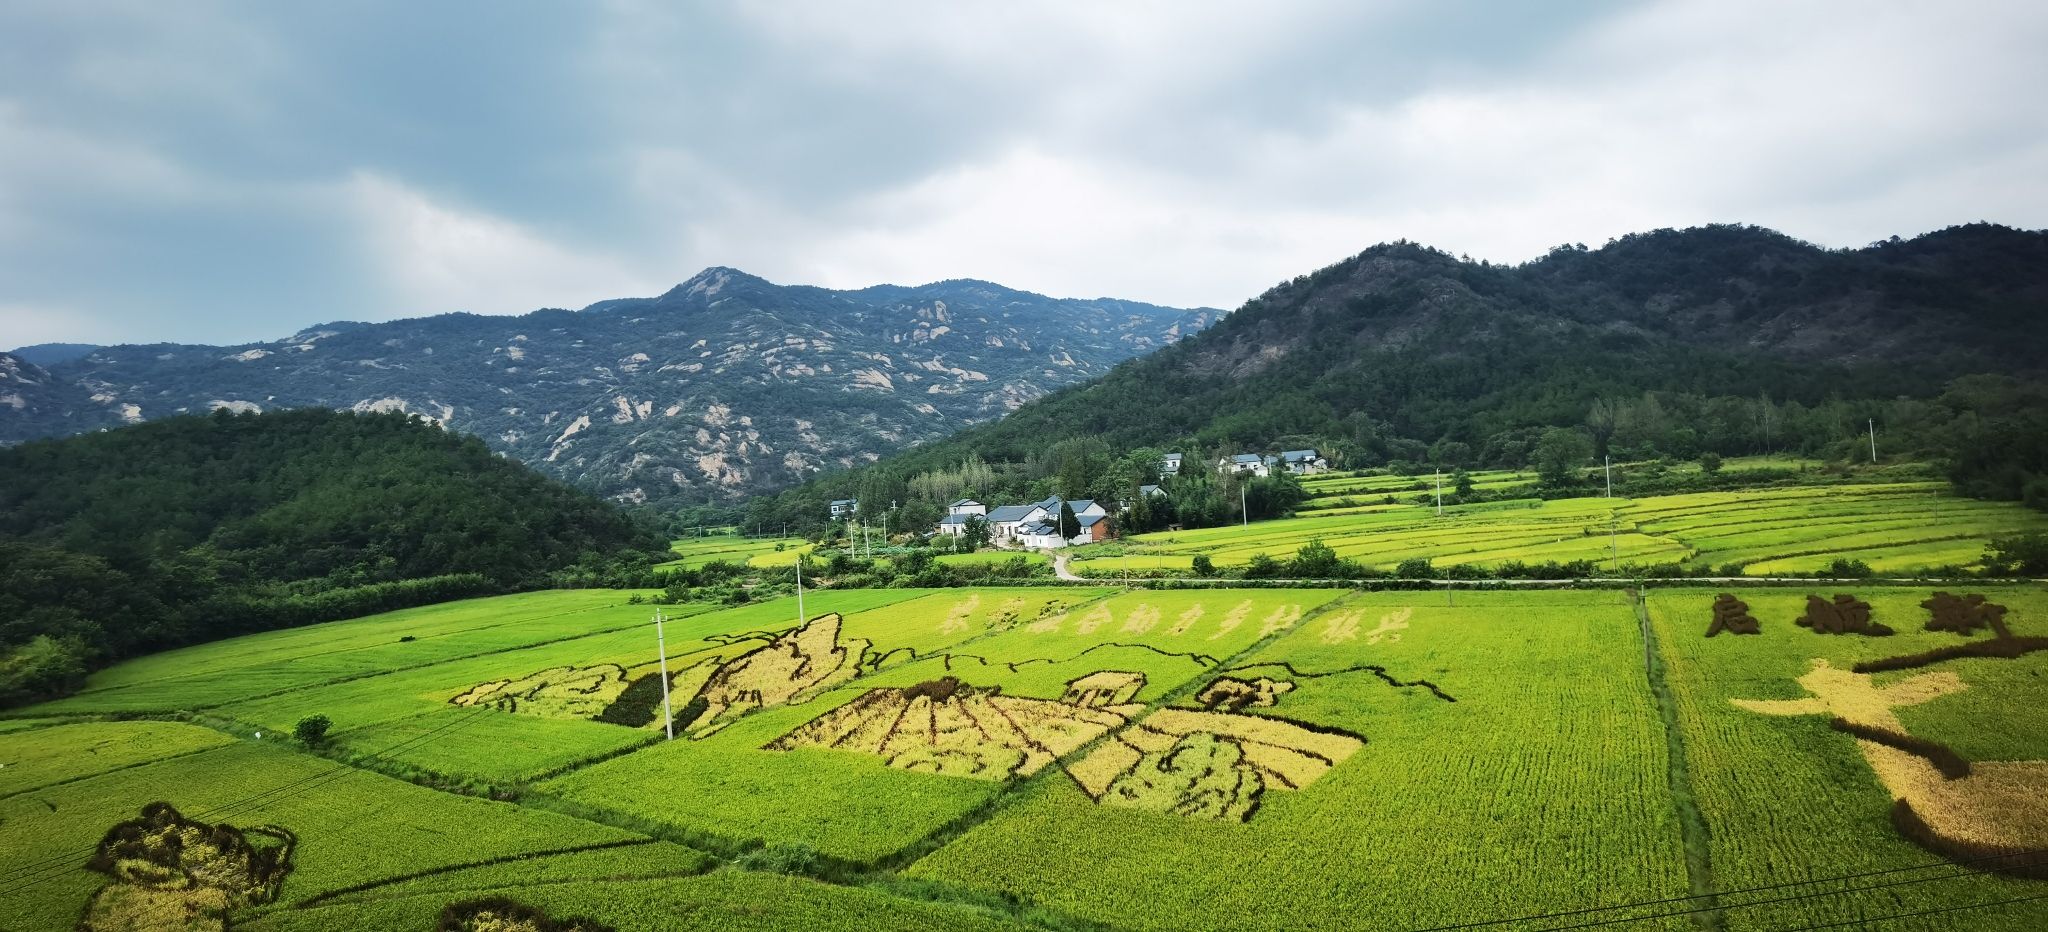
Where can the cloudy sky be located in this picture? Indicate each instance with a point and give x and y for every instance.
(228, 172)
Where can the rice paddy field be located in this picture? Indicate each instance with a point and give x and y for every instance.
(758, 552)
(1896, 528)
(1055, 757)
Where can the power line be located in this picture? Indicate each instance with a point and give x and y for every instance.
(1923, 912)
(1738, 890)
(1719, 907)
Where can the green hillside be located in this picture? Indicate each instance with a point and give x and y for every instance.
(1672, 344)
(193, 528)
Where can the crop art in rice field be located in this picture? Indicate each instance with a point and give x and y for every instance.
(170, 872)
(1991, 814)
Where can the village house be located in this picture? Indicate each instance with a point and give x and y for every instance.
(957, 515)
(1169, 465)
(843, 508)
(1304, 462)
(1035, 526)
(1246, 463)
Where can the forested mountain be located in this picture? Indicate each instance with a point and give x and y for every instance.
(726, 384)
(1727, 339)
(200, 527)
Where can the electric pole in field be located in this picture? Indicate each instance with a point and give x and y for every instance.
(1244, 504)
(799, 590)
(668, 718)
(1613, 534)
(1873, 440)
(1439, 492)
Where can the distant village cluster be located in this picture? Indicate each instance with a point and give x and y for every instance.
(1036, 526)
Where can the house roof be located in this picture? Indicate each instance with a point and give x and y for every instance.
(1247, 458)
(1081, 504)
(845, 501)
(954, 519)
(1298, 455)
(964, 501)
(1009, 513)
(1172, 457)
(1150, 490)
(1039, 529)
(1091, 520)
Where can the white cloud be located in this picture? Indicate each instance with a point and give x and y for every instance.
(433, 257)
(1839, 123)
(1175, 152)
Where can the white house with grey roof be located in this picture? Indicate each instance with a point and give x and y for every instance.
(958, 514)
(1246, 463)
(1035, 526)
(1304, 462)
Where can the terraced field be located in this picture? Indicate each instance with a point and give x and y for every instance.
(1895, 528)
(1332, 492)
(1052, 757)
(762, 552)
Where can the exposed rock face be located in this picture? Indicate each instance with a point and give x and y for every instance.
(725, 385)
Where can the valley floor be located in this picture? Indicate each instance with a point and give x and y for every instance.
(1069, 757)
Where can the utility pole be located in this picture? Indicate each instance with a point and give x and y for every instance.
(1613, 538)
(799, 590)
(1439, 492)
(1244, 504)
(668, 719)
(1873, 440)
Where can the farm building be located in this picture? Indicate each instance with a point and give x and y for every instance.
(843, 508)
(1246, 463)
(1304, 462)
(958, 514)
(1032, 526)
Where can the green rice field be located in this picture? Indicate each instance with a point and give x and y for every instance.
(1055, 757)
(1897, 528)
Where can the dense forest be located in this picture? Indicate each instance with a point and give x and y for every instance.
(1727, 340)
(201, 527)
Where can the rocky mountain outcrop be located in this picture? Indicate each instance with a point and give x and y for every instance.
(725, 385)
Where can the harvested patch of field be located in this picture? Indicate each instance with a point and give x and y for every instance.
(798, 665)
(556, 692)
(947, 727)
(1208, 764)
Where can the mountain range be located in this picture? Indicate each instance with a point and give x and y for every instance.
(1726, 338)
(725, 385)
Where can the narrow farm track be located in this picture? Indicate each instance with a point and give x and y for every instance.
(1691, 825)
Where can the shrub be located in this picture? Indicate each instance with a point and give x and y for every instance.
(1710, 462)
(1263, 566)
(1315, 560)
(312, 729)
(1203, 566)
(1415, 568)
(1843, 568)
(2023, 555)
